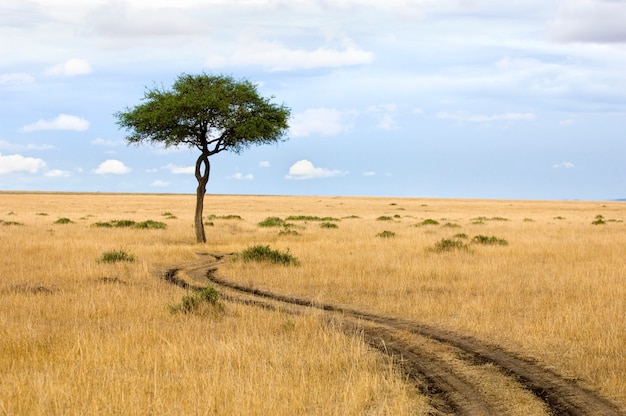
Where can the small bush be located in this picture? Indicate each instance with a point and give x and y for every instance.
(102, 225)
(123, 223)
(288, 231)
(384, 218)
(446, 244)
(11, 223)
(272, 222)
(63, 221)
(169, 216)
(116, 256)
(461, 235)
(150, 225)
(386, 234)
(559, 218)
(266, 254)
(493, 241)
(194, 301)
(310, 218)
(43, 214)
(329, 225)
(451, 225)
(599, 220)
(428, 221)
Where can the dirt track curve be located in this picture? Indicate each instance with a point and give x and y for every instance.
(450, 392)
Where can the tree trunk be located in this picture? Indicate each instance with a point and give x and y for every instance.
(203, 169)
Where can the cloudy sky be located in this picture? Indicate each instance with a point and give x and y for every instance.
(523, 99)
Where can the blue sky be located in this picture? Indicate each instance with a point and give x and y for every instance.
(408, 98)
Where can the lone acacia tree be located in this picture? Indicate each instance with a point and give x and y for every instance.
(212, 113)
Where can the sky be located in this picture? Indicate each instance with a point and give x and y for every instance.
(519, 99)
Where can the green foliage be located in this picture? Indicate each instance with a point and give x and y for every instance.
(63, 221)
(145, 225)
(11, 223)
(310, 218)
(451, 225)
(43, 214)
(169, 216)
(351, 217)
(115, 256)
(483, 239)
(461, 235)
(329, 225)
(559, 218)
(150, 225)
(272, 222)
(599, 220)
(384, 218)
(224, 217)
(386, 234)
(261, 253)
(447, 245)
(196, 300)
(213, 112)
(428, 221)
(288, 231)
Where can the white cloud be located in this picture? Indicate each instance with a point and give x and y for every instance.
(326, 121)
(112, 167)
(304, 169)
(16, 78)
(385, 113)
(567, 122)
(240, 176)
(564, 165)
(160, 184)
(61, 122)
(370, 173)
(180, 170)
(105, 142)
(71, 67)
(16, 147)
(18, 163)
(264, 164)
(277, 57)
(57, 173)
(486, 118)
(599, 21)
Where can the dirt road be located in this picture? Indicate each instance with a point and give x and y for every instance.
(423, 352)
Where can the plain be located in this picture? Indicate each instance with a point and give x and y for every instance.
(81, 335)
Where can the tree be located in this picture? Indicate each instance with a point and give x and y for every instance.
(212, 113)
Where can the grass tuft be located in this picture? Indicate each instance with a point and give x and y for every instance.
(63, 221)
(428, 221)
(447, 245)
(386, 234)
(115, 256)
(493, 240)
(272, 222)
(198, 300)
(261, 253)
(328, 225)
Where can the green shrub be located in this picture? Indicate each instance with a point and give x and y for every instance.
(272, 222)
(461, 235)
(169, 216)
(123, 223)
(11, 223)
(193, 302)
(288, 231)
(266, 254)
(384, 218)
(102, 225)
(63, 221)
(451, 225)
(599, 220)
(446, 244)
(150, 225)
(428, 221)
(483, 239)
(329, 225)
(386, 234)
(310, 218)
(43, 214)
(116, 256)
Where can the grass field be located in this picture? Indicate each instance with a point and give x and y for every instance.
(80, 335)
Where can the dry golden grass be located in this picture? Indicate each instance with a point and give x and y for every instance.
(82, 337)
(77, 336)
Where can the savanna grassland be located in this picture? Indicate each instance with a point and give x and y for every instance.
(86, 325)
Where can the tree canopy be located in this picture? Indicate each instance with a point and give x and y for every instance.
(212, 113)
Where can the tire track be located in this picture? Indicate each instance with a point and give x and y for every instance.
(450, 392)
